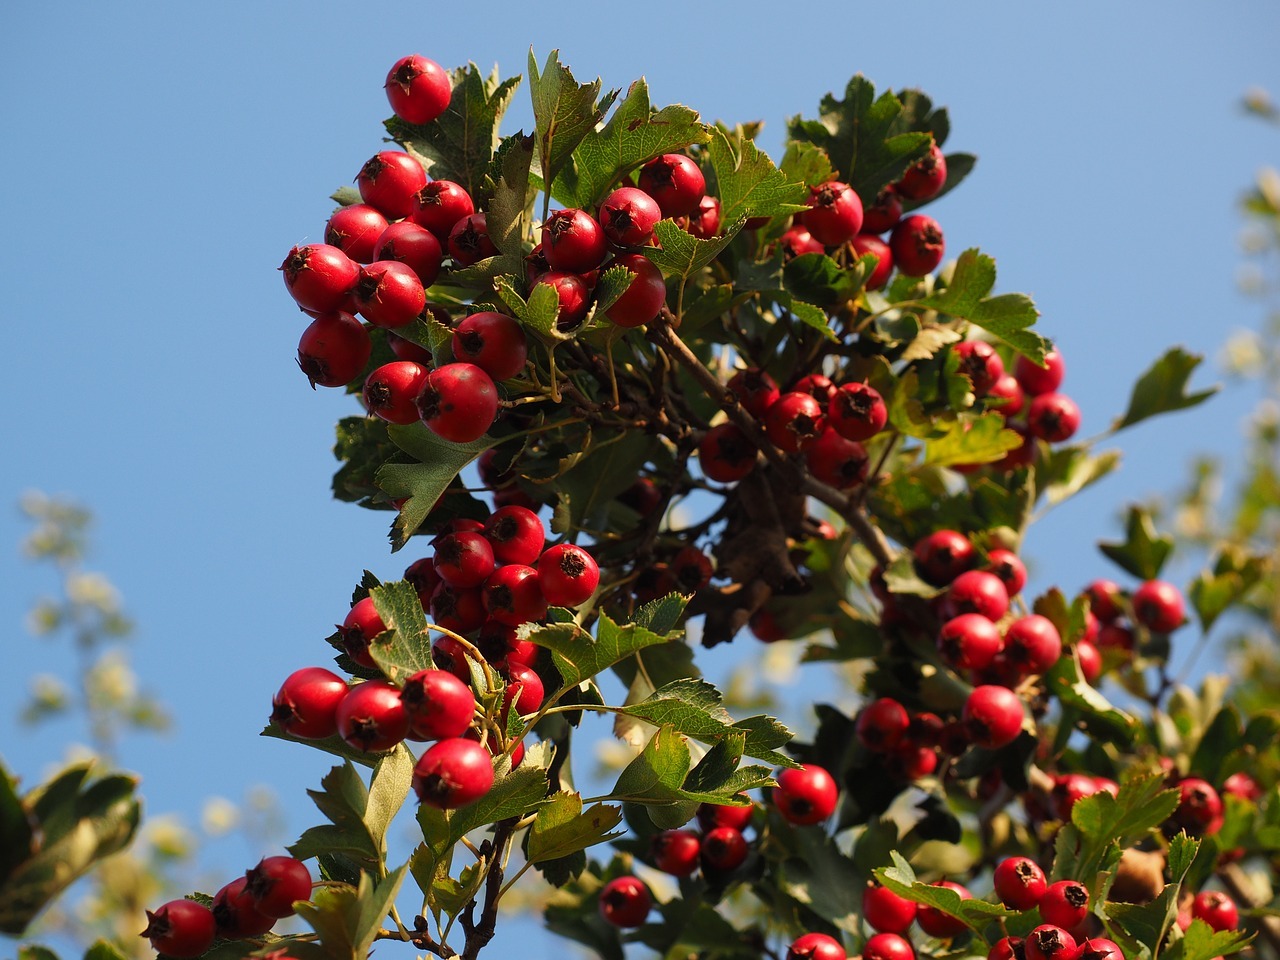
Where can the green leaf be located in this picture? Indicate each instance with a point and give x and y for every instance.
(392, 780)
(604, 471)
(1144, 551)
(681, 253)
(1102, 825)
(747, 182)
(514, 794)
(613, 283)
(504, 219)
(15, 828)
(857, 135)
(566, 111)
(1201, 942)
(1006, 317)
(539, 313)
(817, 874)
(1150, 923)
(809, 315)
(983, 439)
(459, 144)
(1233, 575)
(334, 745)
(362, 447)
(975, 914)
(562, 828)
(656, 775)
(580, 657)
(348, 919)
(634, 134)
(816, 277)
(405, 648)
(1068, 470)
(1222, 737)
(32, 951)
(1103, 720)
(344, 800)
(1163, 388)
(807, 164)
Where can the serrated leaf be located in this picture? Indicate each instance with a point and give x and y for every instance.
(459, 144)
(807, 164)
(605, 470)
(539, 313)
(344, 800)
(405, 648)
(566, 111)
(747, 182)
(613, 283)
(1068, 470)
(561, 827)
(983, 439)
(657, 773)
(1201, 942)
(681, 253)
(1089, 707)
(1233, 575)
(1163, 388)
(975, 914)
(392, 779)
(857, 135)
(504, 219)
(334, 745)
(818, 278)
(809, 315)
(819, 875)
(1102, 825)
(362, 446)
(634, 134)
(578, 656)
(1006, 317)
(1144, 551)
(345, 196)
(1150, 923)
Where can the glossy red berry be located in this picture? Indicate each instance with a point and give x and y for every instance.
(925, 178)
(1019, 882)
(794, 421)
(1216, 909)
(676, 852)
(755, 390)
(1090, 659)
(1199, 809)
(917, 245)
(628, 217)
(389, 294)
(888, 946)
(1034, 645)
(1242, 785)
(355, 230)
(834, 214)
(977, 591)
(236, 915)
(276, 883)
(857, 411)
(981, 364)
(1054, 417)
(416, 247)
(675, 183)
(938, 924)
(568, 575)
(469, 240)
(806, 795)
(391, 391)
(513, 595)
(836, 461)
(306, 704)
(969, 642)
(575, 299)
(723, 849)
(440, 206)
(1036, 379)
(882, 724)
(438, 704)
(712, 815)
(1158, 606)
(885, 911)
(333, 350)
(464, 559)
(459, 402)
(418, 89)
(180, 928)
(815, 946)
(453, 773)
(371, 717)
(361, 625)
(1098, 948)
(1010, 948)
(320, 277)
(1064, 904)
(525, 691)
(645, 295)
(1068, 789)
(883, 214)
(625, 902)
(516, 535)
(725, 453)
(704, 222)
(493, 342)
(1049, 942)
(1006, 397)
(798, 241)
(389, 180)
(868, 243)
(993, 716)
(458, 609)
(1006, 565)
(942, 556)
(573, 241)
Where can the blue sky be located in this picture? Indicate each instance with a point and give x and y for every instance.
(162, 158)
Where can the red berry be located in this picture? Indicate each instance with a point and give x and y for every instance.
(993, 716)
(794, 421)
(969, 642)
(1067, 790)
(407, 349)
(625, 902)
(977, 591)
(675, 183)
(1090, 661)
(755, 390)
(459, 402)
(1033, 644)
(1242, 785)
(885, 911)
(704, 222)
(307, 703)
(513, 595)
(882, 724)
(573, 294)
(392, 390)
(981, 364)
(691, 569)
(371, 717)
(835, 213)
(925, 178)
(438, 704)
(492, 341)
(765, 627)
(798, 241)
(1054, 417)
(723, 849)
(816, 385)
(917, 245)
(333, 350)
(1006, 397)
(440, 205)
(1065, 903)
(276, 883)
(1010, 948)
(524, 690)
(1019, 882)
(1216, 909)
(869, 243)
(806, 795)
(180, 928)
(882, 215)
(836, 461)
(815, 946)
(355, 231)
(320, 277)
(1036, 379)
(464, 559)
(726, 454)
(942, 556)
(1199, 809)
(458, 609)
(1049, 942)
(516, 535)
(469, 240)
(453, 773)
(236, 915)
(418, 89)
(938, 924)
(857, 411)
(1158, 606)
(389, 180)
(712, 815)
(1098, 948)
(628, 217)
(573, 241)
(414, 246)
(676, 852)
(568, 575)
(644, 297)
(1011, 571)
(389, 294)
(888, 946)
(361, 625)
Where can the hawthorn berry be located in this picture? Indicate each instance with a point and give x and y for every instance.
(969, 641)
(390, 391)
(524, 690)
(868, 243)
(938, 924)
(834, 214)
(469, 240)
(1019, 882)
(1053, 417)
(1036, 379)
(837, 461)
(981, 364)
(306, 704)
(388, 182)
(1216, 909)
(857, 411)
(993, 716)
(942, 556)
(1049, 942)
(1098, 948)
(1068, 789)
(355, 231)
(568, 575)
(794, 422)
(236, 915)
(371, 717)
(1199, 810)
(440, 206)
(925, 178)
(450, 655)
(418, 89)
(1065, 903)
(725, 453)
(883, 214)
(573, 241)
(493, 342)
(1034, 645)
(704, 221)
(1006, 397)
(574, 298)
(389, 294)
(453, 773)
(180, 928)
(815, 946)
(1008, 948)
(438, 704)
(798, 241)
(276, 883)
(644, 297)
(675, 851)
(675, 183)
(333, 350)
(691, 569)
(755, 390)
(515, 534)
(712, 815)
(1158, 606)
(882, 724)
(977, 591)
(885, 911)
(1006, 565)
(458, 609)
(1090, 660)
(459, 402)
(1242, 785)
(320, 277)
(361, 625)
(806, 795)
(464, 559)
(628, 216)
(917, 245)
(723, 849)
(416, 247)
(888, 946)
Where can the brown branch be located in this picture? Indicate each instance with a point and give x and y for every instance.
(480, 933)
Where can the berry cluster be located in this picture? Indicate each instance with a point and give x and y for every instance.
(245, 908)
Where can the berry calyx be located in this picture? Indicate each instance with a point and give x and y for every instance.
(320, 277)
(180, 928)
(333, 350)
(794, 421)
(1064, 904)
(568, 575)
(628, 216)
(1019, 882)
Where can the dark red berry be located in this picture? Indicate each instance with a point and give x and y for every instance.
(993, 716)
(459, 402)
(371, 717)
(857, 411)
(1054, 417)
(1158, 606)
(888, 946)
(755, 390)
(469, 240)
(453, 773)
(835, 213)
(868, 243)
(981, 364)
(969, 642)
(1199, 809)
(976, 591)
(492, 341)
(625, 902)
(355, 231)
(1010, 948)
(1216, 909)
(389, 180)
(573, 241)
(1034, 645)
(815, 946)
(882, 215)
(180, 928)
(712, 815)
(837, 461)
(882, 724)
(333, 350)
(1006, 396)
(628, 217)
(794, 421)
(418, 89)
(675, 183)
(573, 294)
(464, 559)
(1036, 379)
(516, 535)
(1011, 571)
(1049, 942)
(438, 704)
(460, 610)
(391, 391)
(798, 241)
(1104, 600)
(236, 915)
(645, 295)
(524, 692)
(806, 795)
(1019, 882)
(925, 178)
(885, 911)
(514, 594)
(942, 556)
(361, 625)
(725, 453)
(692, 569)
(416, 247)
(676, 852)
(307, 703)
(704, 222)
(389, 294)
(276, 883)
(723, 849)
(917, 245)
(1064, 904)
(440, 206)
(568, 575)
(320, 277)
